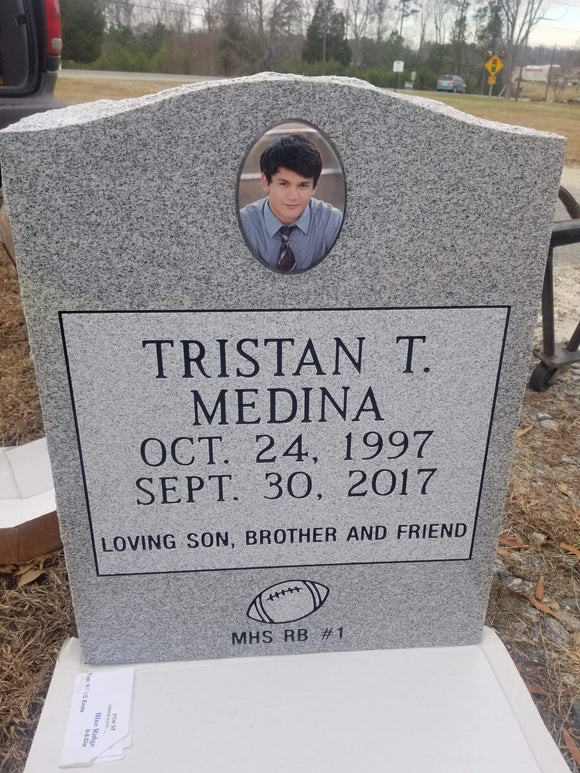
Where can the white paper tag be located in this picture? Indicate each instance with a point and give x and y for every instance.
(115, 752)
(99, 722)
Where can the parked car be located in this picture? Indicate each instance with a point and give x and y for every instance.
(30, 45)
(451, 83)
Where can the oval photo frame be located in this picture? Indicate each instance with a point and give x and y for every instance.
(291, 197)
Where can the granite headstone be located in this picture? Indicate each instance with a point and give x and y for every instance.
(251, 462)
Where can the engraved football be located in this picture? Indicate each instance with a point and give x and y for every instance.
(286, 602)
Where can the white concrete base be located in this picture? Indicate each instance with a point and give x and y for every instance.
(447, 710)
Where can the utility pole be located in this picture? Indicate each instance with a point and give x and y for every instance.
(490, 89)
(403, 4)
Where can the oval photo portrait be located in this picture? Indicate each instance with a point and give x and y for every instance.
(291, 197)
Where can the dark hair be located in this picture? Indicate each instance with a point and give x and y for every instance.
(294, 152)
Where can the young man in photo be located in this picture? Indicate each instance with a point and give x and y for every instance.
(290, 229)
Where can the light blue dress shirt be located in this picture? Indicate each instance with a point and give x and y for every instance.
(315, 233)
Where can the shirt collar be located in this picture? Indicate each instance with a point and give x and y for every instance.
(273, 225)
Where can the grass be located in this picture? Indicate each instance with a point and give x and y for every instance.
(554, 117)
(77, 90)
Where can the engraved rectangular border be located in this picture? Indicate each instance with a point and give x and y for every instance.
(63, 314)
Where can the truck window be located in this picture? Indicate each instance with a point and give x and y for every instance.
(16, 46)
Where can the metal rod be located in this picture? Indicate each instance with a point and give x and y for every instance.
(574, 342)
(549, 343)
(565, 232)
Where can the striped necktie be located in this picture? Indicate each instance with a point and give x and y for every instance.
(286, 259)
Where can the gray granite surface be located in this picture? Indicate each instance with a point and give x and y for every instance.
(230, 496)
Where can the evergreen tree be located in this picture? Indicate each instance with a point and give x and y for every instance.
(83, 27)
(326, 35)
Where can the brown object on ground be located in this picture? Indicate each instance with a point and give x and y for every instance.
(25, 542)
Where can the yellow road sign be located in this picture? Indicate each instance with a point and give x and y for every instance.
(494, 65)
(491, 80)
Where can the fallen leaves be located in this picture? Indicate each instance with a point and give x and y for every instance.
(571, 745)
(29, 576)
(521, 665)
(543, 608)
(565, 490)
(535, 689)
(539, 594)
(524, 430)
(516, 543)
(570, 549)
(27, 573)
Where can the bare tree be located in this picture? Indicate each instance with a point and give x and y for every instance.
(459, 33)
(211, 16)
(406, 9)
(211, 11)
(267, 24)
(118, 13)
(171, 15)
(558, 84)
(379, 12)
(441, 10)
(358, 16)
(431, 21)
(256, 15)
(284, 19)
(283, 31)
(520, 17)
(423, 21)
(309, 8)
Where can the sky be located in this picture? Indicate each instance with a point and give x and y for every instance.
(561, 28)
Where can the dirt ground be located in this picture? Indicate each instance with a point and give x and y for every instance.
(535, 596)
